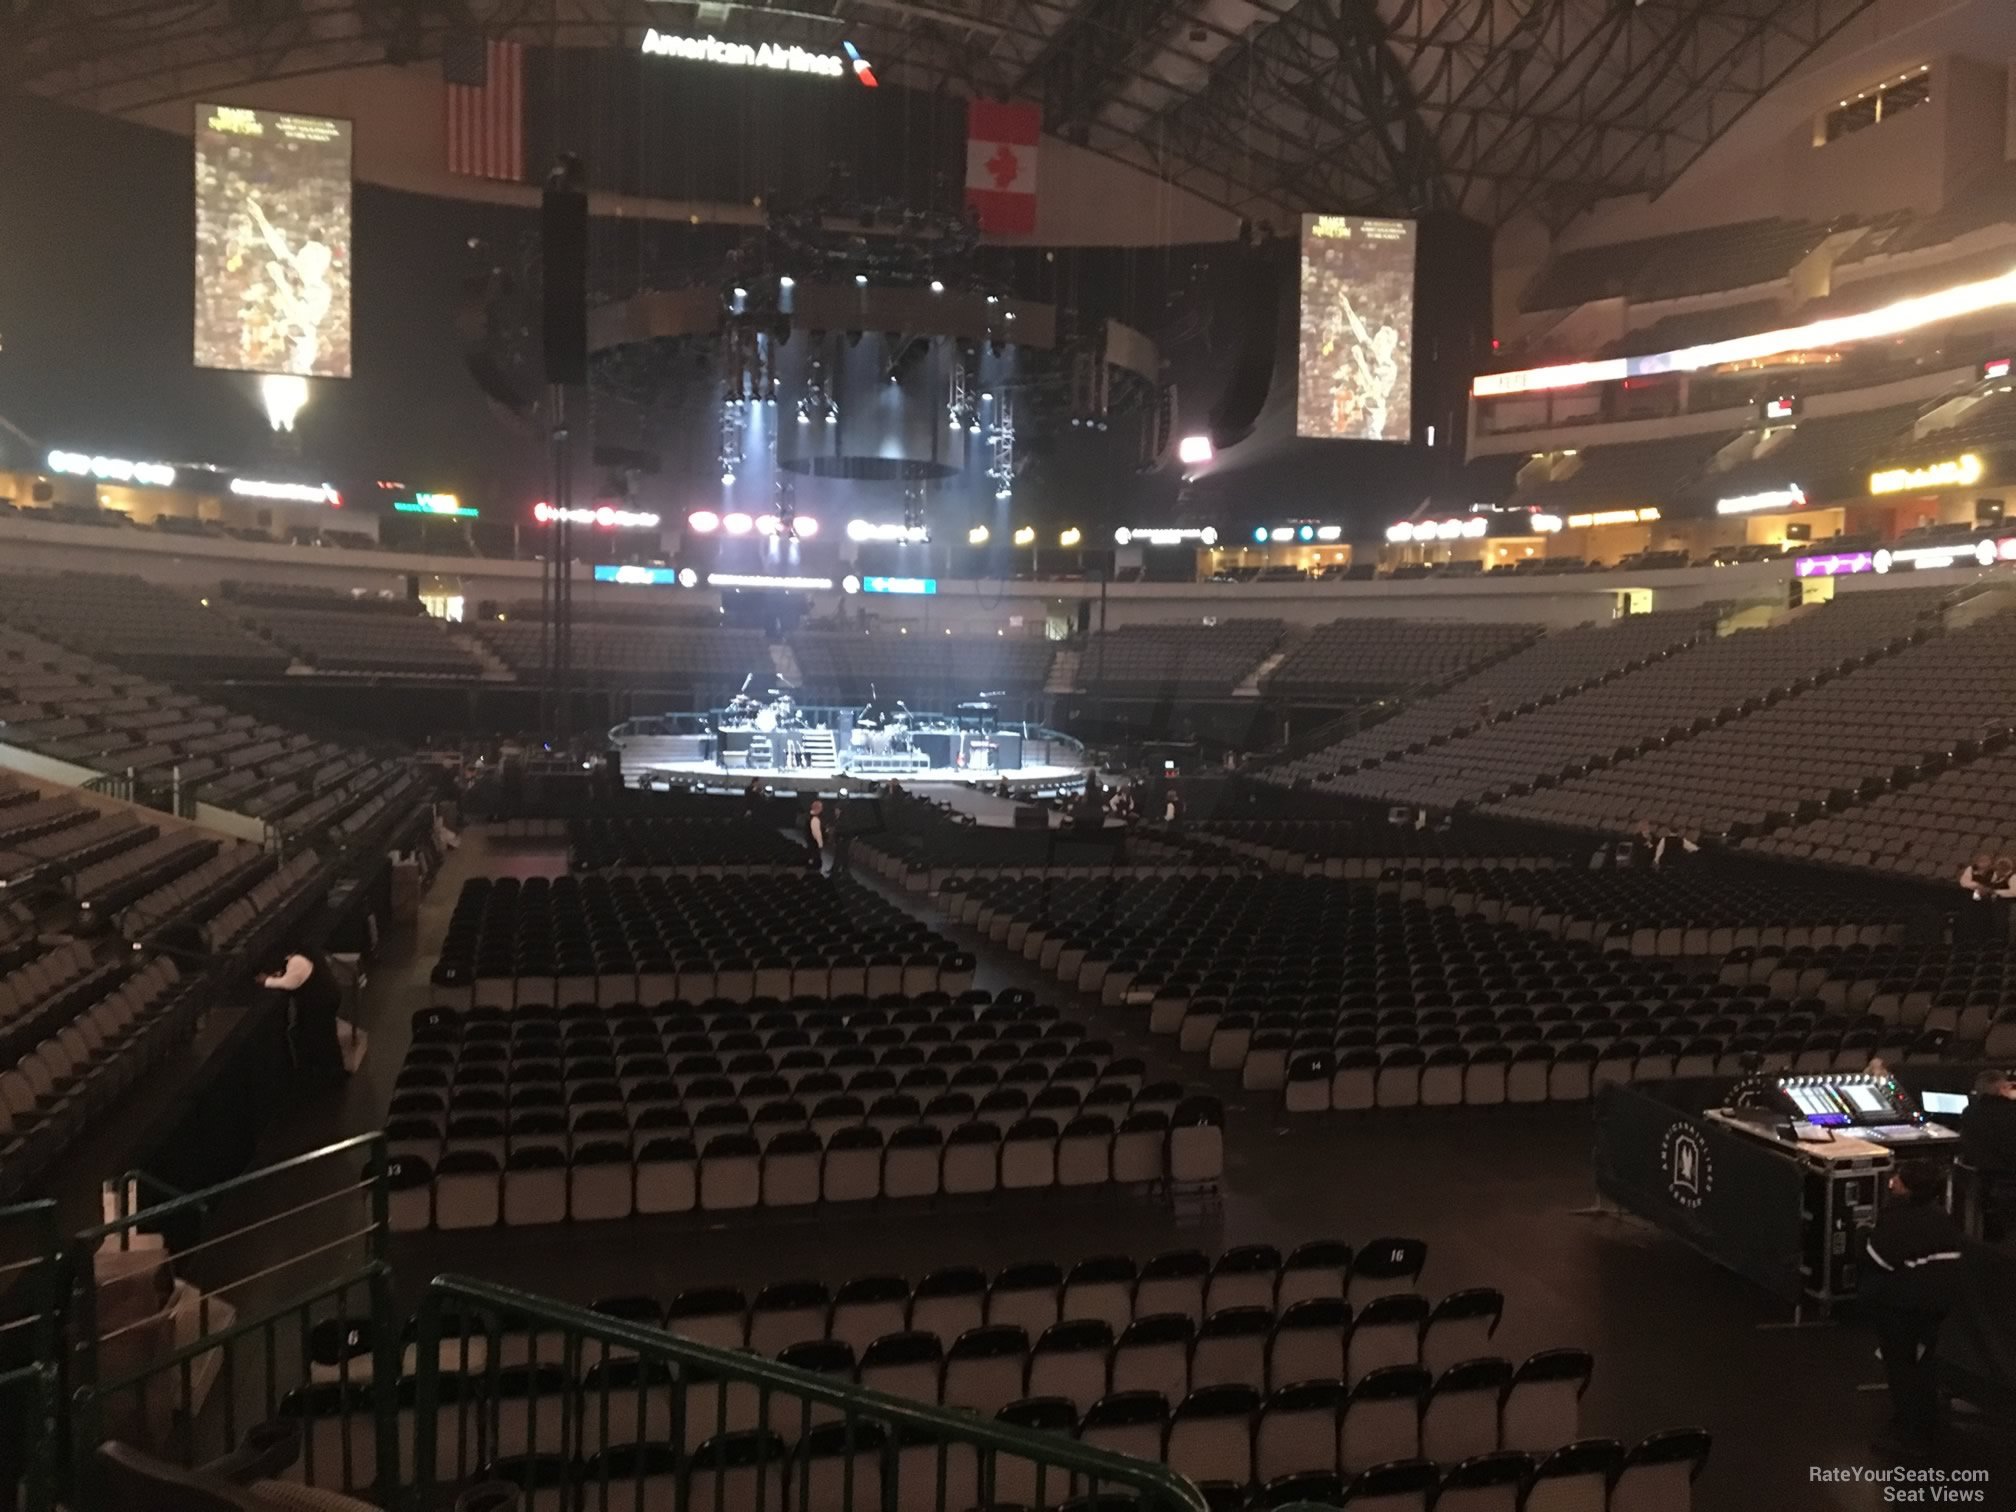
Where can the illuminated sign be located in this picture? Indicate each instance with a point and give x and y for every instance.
(664, 577)
(112, 469)
(1891, 320)
(434, 504)
(1781, 409)
(1165, 535)
(287, 493)
(1545, 524)
(785, 58)
(1959, 472)
(869, 530)
(909, 585)
(1612, 517)
(1792, 497)
(1999, 367)
(765, 580)
(1469, 529)
(1298, 533)
(605, 515)
(1836, 564)
(1983, 553)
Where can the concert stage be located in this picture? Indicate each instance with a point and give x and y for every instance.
(1029, 781)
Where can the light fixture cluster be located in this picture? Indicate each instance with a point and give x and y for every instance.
(738, 522)
(1001, 449)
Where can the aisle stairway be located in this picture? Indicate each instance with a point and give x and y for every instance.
(1063, 672)
(494, 669)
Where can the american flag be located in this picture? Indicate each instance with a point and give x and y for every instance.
(483, 83)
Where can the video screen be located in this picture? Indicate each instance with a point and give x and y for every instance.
(272, 242)
(1355, 373)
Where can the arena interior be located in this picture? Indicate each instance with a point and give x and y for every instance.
(918, 755)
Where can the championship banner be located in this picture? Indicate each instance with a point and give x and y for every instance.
(1001, 165)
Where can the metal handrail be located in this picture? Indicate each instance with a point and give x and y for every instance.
(1155, 1486)
(39, 1379)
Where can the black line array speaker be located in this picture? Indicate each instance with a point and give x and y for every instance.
(1452, 328)
(563, 237)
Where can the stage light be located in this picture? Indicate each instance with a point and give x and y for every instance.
(688, 578)
(737, 523)
(1070, 535)
(284, 396)
(1026, 536)
(1194, 449)
(937, 286)
(986, 396)
(993, 299)
(767, 525)
(727, 477)
(787, 282)
(740, 292)
(860, 280)
(973, 429)
(850, 584)
(703, 522)
(977, 536)
(1010, 315)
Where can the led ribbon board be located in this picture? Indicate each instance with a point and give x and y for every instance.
(1842, 330)
(434, 504)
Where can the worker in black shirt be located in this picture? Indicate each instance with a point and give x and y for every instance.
(1914, 1267)
(1988, 1144)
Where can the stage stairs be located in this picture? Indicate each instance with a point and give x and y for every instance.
(821, 755)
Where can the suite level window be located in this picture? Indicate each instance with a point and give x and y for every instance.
(1876, 105)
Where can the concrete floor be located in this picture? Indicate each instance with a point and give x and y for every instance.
(1500, 1196)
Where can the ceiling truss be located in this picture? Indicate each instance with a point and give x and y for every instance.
(1269, 107)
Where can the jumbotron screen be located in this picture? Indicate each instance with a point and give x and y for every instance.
(272, 242)
(1355, 367)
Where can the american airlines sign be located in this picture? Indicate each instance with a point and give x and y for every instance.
(778, 58)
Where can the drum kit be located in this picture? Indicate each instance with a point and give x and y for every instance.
(881, 728)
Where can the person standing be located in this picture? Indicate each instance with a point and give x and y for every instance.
(1914, 1266)
(315, 998)
(815, 837)
(840, 826)
(1988, 1144)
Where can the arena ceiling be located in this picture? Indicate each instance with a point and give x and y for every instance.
(1492, 107)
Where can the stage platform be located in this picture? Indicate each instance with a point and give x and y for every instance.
(707, 776)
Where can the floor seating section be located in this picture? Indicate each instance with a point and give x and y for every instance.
(937, 671)
(79, 710)
(918, 842)
(345, 639)
(1366, 657)
(700, 845)
(1322, 1375)
(1843, 737)
(659, 657)
(1358, 1000)
(628, 939)
(1670, 700)
(1160, 661)
(1928, 829)
(136, 623)
(1548, 669)
(542, 1114)
(1928, 992)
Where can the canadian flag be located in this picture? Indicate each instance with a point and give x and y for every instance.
(1001, 165)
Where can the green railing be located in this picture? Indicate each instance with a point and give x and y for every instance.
(180, 1350)
(31, 1258)
(585, 1410)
